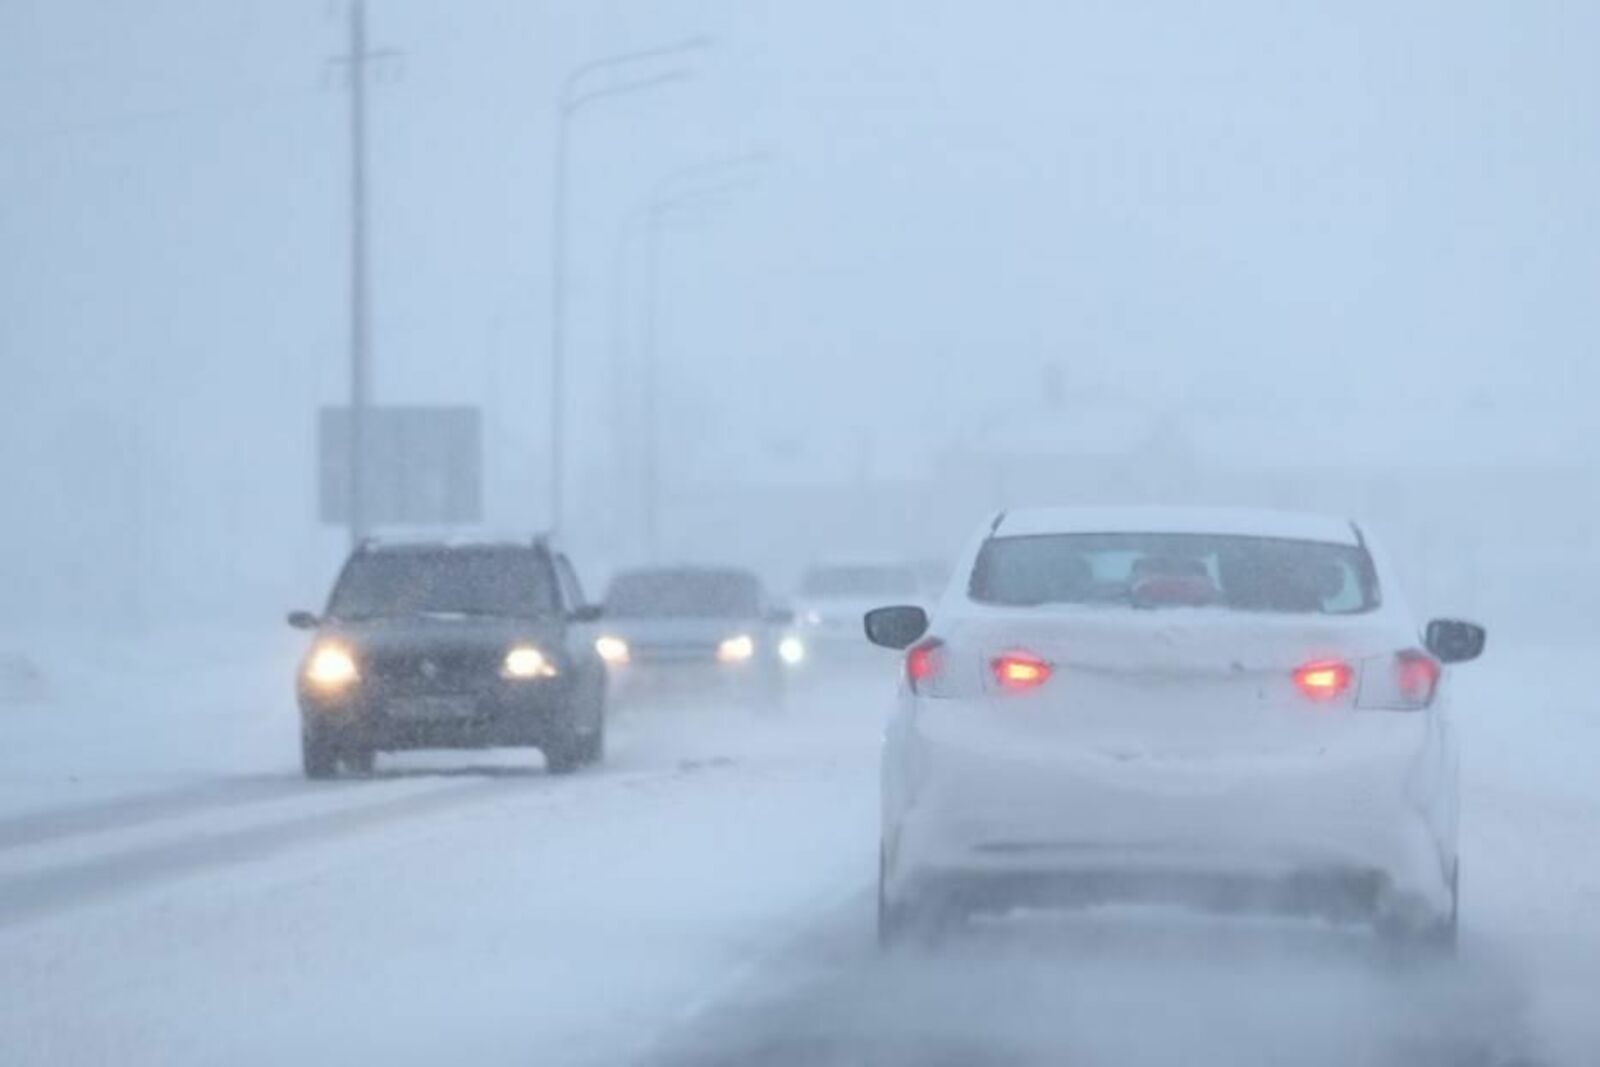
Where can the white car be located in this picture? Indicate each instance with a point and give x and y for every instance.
(1224, 709)
(832, 596)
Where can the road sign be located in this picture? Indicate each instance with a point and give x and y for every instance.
(423, 466)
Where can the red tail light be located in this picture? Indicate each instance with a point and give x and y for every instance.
(923, 664)
(1019, 671)
(1416, 676)
(1325, 680)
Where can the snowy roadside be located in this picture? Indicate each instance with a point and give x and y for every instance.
(1530, 820)
(123, 714)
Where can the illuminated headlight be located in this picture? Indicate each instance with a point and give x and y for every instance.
(331, 667)
(736, 649)
(614, 650)
(525, 661)
(792, 651)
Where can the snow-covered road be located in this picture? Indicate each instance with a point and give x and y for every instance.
(171, 892)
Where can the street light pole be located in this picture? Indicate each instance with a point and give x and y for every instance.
(673, 193)
(575, 96)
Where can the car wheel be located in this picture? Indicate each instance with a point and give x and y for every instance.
(359, 759)
(913, 920)
(594, 746)
(317, 755)
(891, 922)
(1428, 940)
(1446, 934)
(564, 750)
(563, 756)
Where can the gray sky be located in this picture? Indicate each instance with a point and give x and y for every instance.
(1252, 202)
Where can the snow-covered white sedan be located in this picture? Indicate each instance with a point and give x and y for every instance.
(1224, 709)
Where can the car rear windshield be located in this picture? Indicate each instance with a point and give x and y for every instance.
(684, 594)
(1137, 570)
(879, 582)
(511, 582)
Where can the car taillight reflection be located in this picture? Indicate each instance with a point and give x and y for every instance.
(1019, 671)
(1324, 681)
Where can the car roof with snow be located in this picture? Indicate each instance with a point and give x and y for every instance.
(1235, 522)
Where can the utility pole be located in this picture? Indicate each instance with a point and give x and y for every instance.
(356, 62)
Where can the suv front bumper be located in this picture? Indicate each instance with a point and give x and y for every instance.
(508, 713)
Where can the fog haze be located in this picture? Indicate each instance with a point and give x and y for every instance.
(1382, 217)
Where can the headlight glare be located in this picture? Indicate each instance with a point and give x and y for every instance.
(736, 649)
(792, 651)
(525, 662)
(331, 667)
(614, 650)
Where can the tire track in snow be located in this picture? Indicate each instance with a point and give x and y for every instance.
(116, 869)
(54, 824)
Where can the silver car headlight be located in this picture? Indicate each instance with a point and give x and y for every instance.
(524, 662)
(736, 649)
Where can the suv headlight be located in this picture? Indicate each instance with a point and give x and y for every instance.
(525, 662)
(736, 649)
(331, 667)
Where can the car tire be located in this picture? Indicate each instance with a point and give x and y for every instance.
(563, 756)
(912, 921)
(564, 752)
(570, 749)
(359, 759)
(594, 746)
(318, 758)
(1435, 940)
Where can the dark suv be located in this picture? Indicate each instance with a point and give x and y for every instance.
(451, 646)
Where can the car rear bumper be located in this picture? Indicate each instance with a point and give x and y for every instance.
(1331, 830)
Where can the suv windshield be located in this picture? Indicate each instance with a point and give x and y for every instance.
(859, 581)
(692, 594)
(513, 582)
(1176, 570)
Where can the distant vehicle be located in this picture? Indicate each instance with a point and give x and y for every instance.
(1215, 708)
(451, 646)
(833, 596)
(695, 627)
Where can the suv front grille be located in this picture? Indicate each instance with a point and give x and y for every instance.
(435, 670)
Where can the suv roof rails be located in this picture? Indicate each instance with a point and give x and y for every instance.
(460, 539)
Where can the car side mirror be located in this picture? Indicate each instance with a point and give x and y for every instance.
(586, 613)
(896, 627)
(304, 620)
(1454, 641)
